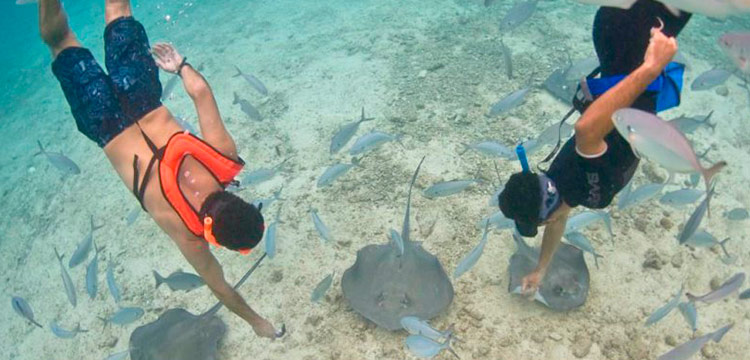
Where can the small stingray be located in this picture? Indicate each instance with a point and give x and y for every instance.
(178, 334)
(384, 286)
(566, 285)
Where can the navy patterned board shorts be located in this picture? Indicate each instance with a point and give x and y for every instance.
(102, 104)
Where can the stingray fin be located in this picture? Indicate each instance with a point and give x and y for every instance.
(538, 297)
(517, 290)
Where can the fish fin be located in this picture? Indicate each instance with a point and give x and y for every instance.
(59, 257)
(467, 147)
(450, 349)
(239, 72)
(539, 297)
(709, 173)
(41, 148)
(723, 247)
(236, 98)
(719, 334)
(159, 279)
(94, 227)
(709, 124)
(36, 323)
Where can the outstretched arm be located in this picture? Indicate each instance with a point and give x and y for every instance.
(212, 127)
(553, 233)
(199, 256)
(596, 122)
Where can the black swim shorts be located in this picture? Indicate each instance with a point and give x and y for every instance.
(104, 105)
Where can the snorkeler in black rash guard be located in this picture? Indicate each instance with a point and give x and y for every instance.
(594, 165)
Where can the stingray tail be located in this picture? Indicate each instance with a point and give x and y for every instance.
(159, 279)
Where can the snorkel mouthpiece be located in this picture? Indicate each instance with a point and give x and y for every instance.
(521, 153)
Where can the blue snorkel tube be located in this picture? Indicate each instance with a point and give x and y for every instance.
(521, 153)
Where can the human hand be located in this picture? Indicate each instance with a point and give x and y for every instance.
(661, 49)
(263, 328)
(530, 283)
(166, 57)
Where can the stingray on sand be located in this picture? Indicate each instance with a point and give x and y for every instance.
(385, 285)
(180, 335)
(566, 284)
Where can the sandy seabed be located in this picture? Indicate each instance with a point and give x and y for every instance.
(427, 71)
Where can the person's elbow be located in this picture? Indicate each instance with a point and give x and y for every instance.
(584, 131)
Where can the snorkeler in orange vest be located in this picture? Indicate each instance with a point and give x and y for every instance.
(177, 177)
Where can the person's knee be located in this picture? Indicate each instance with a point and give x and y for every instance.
(55, 33)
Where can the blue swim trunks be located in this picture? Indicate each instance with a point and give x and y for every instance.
(102, 104)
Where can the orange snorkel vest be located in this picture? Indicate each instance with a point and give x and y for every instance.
(170, 158)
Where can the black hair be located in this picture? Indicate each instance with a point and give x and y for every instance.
(521, 198)
(237, 224)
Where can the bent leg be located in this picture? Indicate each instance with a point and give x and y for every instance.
(115, 9)
(53, 26)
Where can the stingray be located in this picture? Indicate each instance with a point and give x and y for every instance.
(566, 284)
(385, 285)
(179, 335)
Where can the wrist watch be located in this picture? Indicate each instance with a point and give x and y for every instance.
(182, 64)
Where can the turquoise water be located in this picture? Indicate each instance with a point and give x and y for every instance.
(426, 70)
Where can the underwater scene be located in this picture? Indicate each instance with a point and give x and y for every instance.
(375, 179)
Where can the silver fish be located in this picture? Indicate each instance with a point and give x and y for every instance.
(553, 132)
(681, 197)
(169, 87)
(253, 81)
(507, 59)
(111, 284)
(688, 124)
(447, 188)
(702, 238)
(662, 143)
(640, 195)
(371, 141)
(727, 288)
(508, 103)
(586, 218)
(84, 247)
(59, 161)
(745, 295)
(497, 219)
(133, 216)
(737, 214)
(663, 311)
(624, 194)
(416, 326)
(424, 347)
(266, 203)
(92, 272)
(119, 355)
(490, 148)
(471, 259)
(64, 333)
(260, 175)
(125, 316)
(271, 235)
(397, 240)
(179, 280)
(687, 309)
(321, 289)
(580, 241)
(710, 79)
(517, 15)
(247, 108)
(688, 349)
(21, 307)
(70, 290)
(695, 219)
(346, 132)
(334, 172)
(325, 234)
